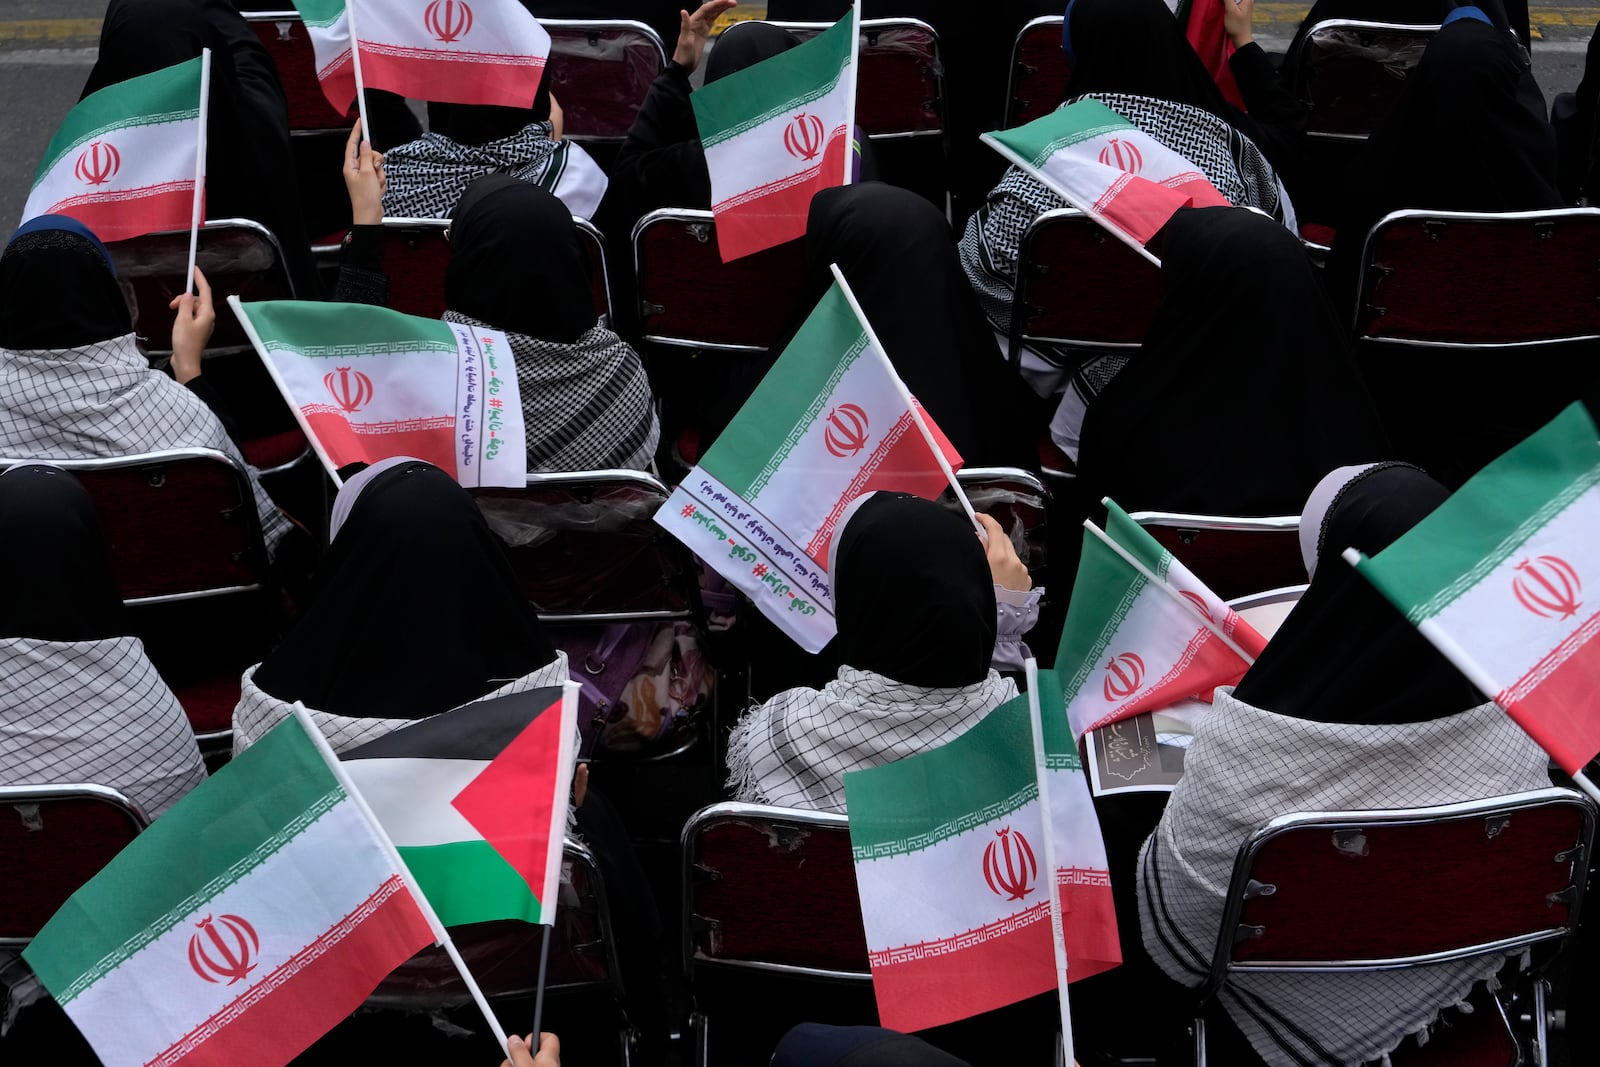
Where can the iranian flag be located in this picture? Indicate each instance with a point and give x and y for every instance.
(367, 383)
(251, 918)
(1142, 632)
(1501, 579)
(1108, 168)
(476, 802)
(124, 162)
(448, 51)
(830, 422)
(775, 134)
(951, 865)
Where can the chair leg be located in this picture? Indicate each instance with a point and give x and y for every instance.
(1541, 1025)
(699, 1034)
(1199, 1041)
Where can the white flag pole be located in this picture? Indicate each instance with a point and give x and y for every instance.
(199, 171)
(440, 934)
(1167, 588)
(911, 405)
(1463, 662)
(355, 63)
(850, 98)
(283, 390)
(1058, 936)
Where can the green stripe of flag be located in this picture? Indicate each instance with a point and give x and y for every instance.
(1060, 747)
(1042, 138)
(324, 328)
(1137, 540)
(171, 94)
(786, 82)
(1102, 596)
(470, 882)
(984, 774)
(320, 13)
(1472, 532)
(225, 828)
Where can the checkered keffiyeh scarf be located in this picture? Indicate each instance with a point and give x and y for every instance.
(794, 750)
(1228, 159)
(94, 712)
(1248, 766)
(103, 401)
(426, 177)
(585, 406)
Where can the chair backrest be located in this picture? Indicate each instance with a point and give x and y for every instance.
(689, 298)
(283, 34)
(1362, 890)
(1019, 502)
(1039, 72)
(1350, 74)
(771, 889)
(417, 251)
(239, 257)
(1466, 279)
(54, 838)
(1233, 555)
(587, 549)
(1265, 611)
(601, 71)
(1079, 286)
(900, 92)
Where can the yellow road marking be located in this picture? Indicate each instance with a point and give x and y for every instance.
(49, 30)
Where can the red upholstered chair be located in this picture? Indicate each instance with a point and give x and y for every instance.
(1019, 502)
(1039, 72)
(1357, 891)
(54, 838)
(600, 72)
(186, 549)
(1233, 555)
(1079, 287)
(283, 34)
(1350, 73)
(769, 902)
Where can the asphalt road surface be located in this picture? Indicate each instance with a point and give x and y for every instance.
(48, 46)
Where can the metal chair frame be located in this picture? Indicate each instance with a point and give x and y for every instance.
(1299, 89)
(1181, 521)
(594, 27)
(1008, 110)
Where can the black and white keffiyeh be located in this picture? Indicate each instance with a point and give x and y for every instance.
(794, 750)
(103, 400)
(94, 712)
(426, 177)
(1247, 766)
(586, 405)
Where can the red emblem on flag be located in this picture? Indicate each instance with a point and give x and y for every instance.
(225, 948)
(98, 163)
(351, 390)
(846, 434)
(1009, 866)
(1548, 586)
(803, 137)
(1122, 155)
(1199, 603)
(1123, 675)
(448, 20)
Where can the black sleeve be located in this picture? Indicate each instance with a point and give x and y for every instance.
(661, 163)
(202, 388)
(1269, 101)
(361, 276)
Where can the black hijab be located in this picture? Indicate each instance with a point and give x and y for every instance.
(1345, 654)
(479, 124)
(250, 171)
(55, 573)
(516, 261)
(1232, 406)
(1137, 47)
(58, 288)
(912, 594)
(416, 609)
(745, 48)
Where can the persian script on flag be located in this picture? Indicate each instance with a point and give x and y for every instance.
(829, 423)
(368, 383)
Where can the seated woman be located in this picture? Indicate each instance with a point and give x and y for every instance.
(1348, 708)
(915, 600)
(79, 700)
(73, 381)
(517, 265)
(1132, 56)
(416, 611)
(1233, 405)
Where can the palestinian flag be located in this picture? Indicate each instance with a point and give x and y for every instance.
(774, 134)
(1131, 645)
(368, 383)
(830, 422)
(123, 161)
(1495, 578)
(476, 802)
(950, 864)
(447, 51)
(252, 917)
(1108, 168)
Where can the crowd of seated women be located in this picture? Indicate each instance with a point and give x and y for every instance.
(1245, 398)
